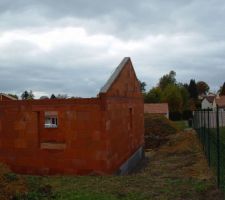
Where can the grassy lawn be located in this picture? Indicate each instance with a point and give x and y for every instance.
(212, 148)
(175, 171)
(181, 125)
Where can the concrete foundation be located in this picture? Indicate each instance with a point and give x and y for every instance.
(132, 162)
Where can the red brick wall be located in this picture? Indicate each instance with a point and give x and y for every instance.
(80, 144)
(93, 135)
(124, 116)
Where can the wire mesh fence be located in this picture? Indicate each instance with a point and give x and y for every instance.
(210, 126)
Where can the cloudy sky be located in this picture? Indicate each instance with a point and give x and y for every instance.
(72, 46)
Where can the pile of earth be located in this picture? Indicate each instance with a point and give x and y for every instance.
(157, 130)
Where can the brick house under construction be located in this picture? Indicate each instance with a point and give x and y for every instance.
(102, 135)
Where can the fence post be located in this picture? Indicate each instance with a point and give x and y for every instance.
(201, 126)
(204, 128)
(218, 145)
(193, 125)
(208, 138)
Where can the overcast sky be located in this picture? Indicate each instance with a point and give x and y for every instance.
(72, 46)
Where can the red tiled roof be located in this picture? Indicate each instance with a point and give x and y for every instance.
(221, 101)
(210, 99)
(156, 108)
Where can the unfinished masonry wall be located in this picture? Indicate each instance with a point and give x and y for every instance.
(77, 146)
(124, 115)
(95, 135)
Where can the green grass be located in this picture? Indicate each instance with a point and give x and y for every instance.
(180, 125)
(83, 188)
(113, 188)
(213, 149)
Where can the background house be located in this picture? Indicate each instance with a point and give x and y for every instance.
(220, 102)
(207, 102)
(157, 108)
(5, 97)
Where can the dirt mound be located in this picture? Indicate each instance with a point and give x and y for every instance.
(11, 184)
(157, 130)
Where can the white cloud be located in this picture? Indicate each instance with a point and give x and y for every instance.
(52, 47)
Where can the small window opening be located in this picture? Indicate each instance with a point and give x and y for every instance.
(51, 121)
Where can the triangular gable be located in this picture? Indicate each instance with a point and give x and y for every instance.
(114, 76)
(123, 81)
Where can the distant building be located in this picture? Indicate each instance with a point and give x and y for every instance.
(44, 97)
(157, 108)
(207, 102)
(5, 97)
(202, 96)
(219, 101)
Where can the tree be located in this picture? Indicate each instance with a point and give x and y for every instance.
(185, 85)
(168, 79)
(222, 90)
(192, 104)
(27, 95)
(153, 96)
(185, 97)
(172, 95)
(31, 95)
(24, 95)
(53, 96)
(142, 85)
(202, 87)
(192, 89)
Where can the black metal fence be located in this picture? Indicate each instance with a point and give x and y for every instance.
(210, 126)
